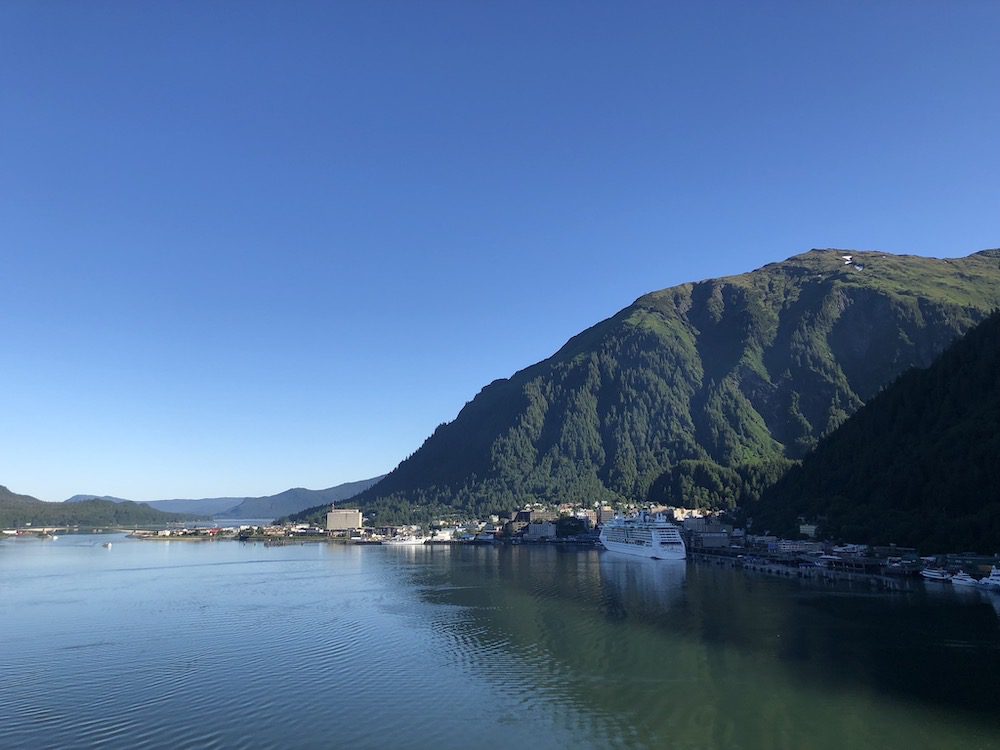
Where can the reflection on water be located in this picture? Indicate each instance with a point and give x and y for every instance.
(640, 581)
(176, 644)
(692, 656)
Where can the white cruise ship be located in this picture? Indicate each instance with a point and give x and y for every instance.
(644, 536)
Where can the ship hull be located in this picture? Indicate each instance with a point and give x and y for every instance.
(637, 550)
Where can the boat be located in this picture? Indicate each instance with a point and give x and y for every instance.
(106, 545)
(644, 536)
(961, 578)
(405, 540)
(935, 574)
(823, 561)
(992, 581)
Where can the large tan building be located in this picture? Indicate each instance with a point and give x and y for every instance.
(343, 519)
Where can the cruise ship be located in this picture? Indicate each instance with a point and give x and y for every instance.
(644, 536)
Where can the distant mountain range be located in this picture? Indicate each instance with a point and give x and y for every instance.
(23, 510)
(271, 506)
(698, 395)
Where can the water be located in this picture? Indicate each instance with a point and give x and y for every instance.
(222, 644)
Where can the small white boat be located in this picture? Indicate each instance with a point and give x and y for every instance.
(935, 574)
(823, 561)
(961, 578)
(106, 545)
(992, 581)
(406, 540)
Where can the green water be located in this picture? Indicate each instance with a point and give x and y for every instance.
(154, 644)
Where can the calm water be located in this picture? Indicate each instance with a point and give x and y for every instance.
(174, 644)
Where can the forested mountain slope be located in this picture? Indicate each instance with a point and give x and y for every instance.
(698, 394)
(919, 465)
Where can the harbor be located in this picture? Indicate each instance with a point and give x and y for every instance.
(703, 538)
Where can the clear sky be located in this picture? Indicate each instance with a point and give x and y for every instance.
(255, 245)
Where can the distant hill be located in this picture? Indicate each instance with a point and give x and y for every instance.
(21, 510)
(700, 394)
(919, 465)
(269, 506)
(211, 506)
(82, 498)
(297, 499)
(207, 506)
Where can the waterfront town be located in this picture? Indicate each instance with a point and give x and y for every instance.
(708, 538)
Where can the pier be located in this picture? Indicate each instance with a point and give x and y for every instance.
(860, 571)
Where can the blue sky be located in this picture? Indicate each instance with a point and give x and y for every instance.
(248, 246)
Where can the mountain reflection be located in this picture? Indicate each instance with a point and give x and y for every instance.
(650, 650)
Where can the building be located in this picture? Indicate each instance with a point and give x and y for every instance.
(534, 516)
(514, 528)
(343, 519)
(710, 540)
(540, 530)
(706, 524)
(791, 546)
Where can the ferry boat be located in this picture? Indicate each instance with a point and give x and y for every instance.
(935, 574)
(644, 536)
(992, 581)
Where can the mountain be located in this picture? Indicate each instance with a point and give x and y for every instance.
(919, 465)
(20, 510)
(295, 500)
(210, 506)
(205, 506)
(270, 506)
(700, 394)
(82, 498)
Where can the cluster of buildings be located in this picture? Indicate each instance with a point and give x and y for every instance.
(706, 536)
(246, 531)
(533, 523)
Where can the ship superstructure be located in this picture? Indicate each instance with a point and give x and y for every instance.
(644, 535)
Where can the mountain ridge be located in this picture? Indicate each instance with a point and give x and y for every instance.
(696, 380)
(25, 510)
(267, 506)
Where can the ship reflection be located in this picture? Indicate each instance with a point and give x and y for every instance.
(643, 581)
(994, 600)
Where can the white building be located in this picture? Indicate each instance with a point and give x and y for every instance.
(343, 519)
(542, 530)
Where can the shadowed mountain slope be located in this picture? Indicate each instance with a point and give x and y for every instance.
(919, 465)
